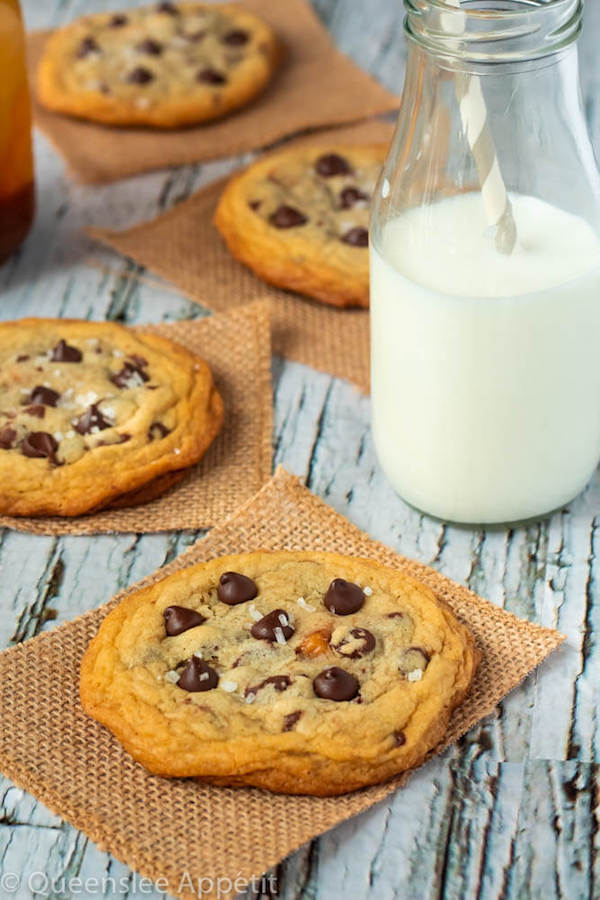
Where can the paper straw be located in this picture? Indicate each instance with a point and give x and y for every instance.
(473, 114)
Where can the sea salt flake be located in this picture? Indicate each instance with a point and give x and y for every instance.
(204, 677)
(367, 591)
(172, 677)
(117, 353)
(250, 698)
(177, 451)
(254, 612)
(302, 602)
(70, 434)
(415, 675)
(198, 654)
(58, 435)
(283, 619)
(279, 636)
(229, 686)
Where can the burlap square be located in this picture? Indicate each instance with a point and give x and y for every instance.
(183, 246)
(167, 828)
(315, 86)
(236, 345)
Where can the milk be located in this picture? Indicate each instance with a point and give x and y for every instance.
(486, 367)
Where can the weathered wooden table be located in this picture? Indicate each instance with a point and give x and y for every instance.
(514, 810)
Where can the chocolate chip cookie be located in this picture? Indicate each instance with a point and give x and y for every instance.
(299, 219)
(307, 673)
(164, 65)
(93, 414)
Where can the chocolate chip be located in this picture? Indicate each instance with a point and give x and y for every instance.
(140, 361)
(236, 37)
(235, 588)
(121, 439)
(287, 217)
(168, 8)
(8, 437)
(44, 395)
(399, 738)
(130, 376)
(36, 410)
(332, 164)
(87, 46)
(280, 683)
(358, 642)
(413, 658)
(395, 615)
(157, 431)
(209, 75)
(40, 445)
(290, 720)
(275, 624)
(90, 419)
(198, 676)
(350, 196)
(343, 597)
(22, 357)
(356, 237)
(140, 75)
(335, 684)
(179, 619)
(118, 21)
(150, 46)
(63, 352)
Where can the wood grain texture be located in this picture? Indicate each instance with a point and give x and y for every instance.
(513, 810)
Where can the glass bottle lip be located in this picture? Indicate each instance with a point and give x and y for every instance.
(493, 31)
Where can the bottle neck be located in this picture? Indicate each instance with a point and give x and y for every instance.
(480, 34)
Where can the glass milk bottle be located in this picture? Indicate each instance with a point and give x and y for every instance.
(485, 266)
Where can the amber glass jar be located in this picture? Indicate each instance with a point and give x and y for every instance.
(16, 160)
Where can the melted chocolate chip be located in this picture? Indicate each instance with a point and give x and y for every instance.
(40, 445)
(280, 683)
(356, 237)
(131, 375)
(154, 48)
(413, 658)
(335, 684)
(332, 164)
(395, 615)
(139, 361)
(90, 419)
(179, 619)
(87, 46)
(287, 217)
(36, 410)
(44, 395)
(8, 437)
(168, 8)
(343, 597)
(358, 643)
(140, 75)
(63, 352)
(157, 431)
(290, 720)
(235, 588)
(399, 738)
(22, 357)
(350, 196)
(198, 676)
(208, 75)
(236, 38)
(270, 626)
(118, 21)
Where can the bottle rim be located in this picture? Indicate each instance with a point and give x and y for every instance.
(493, 31)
